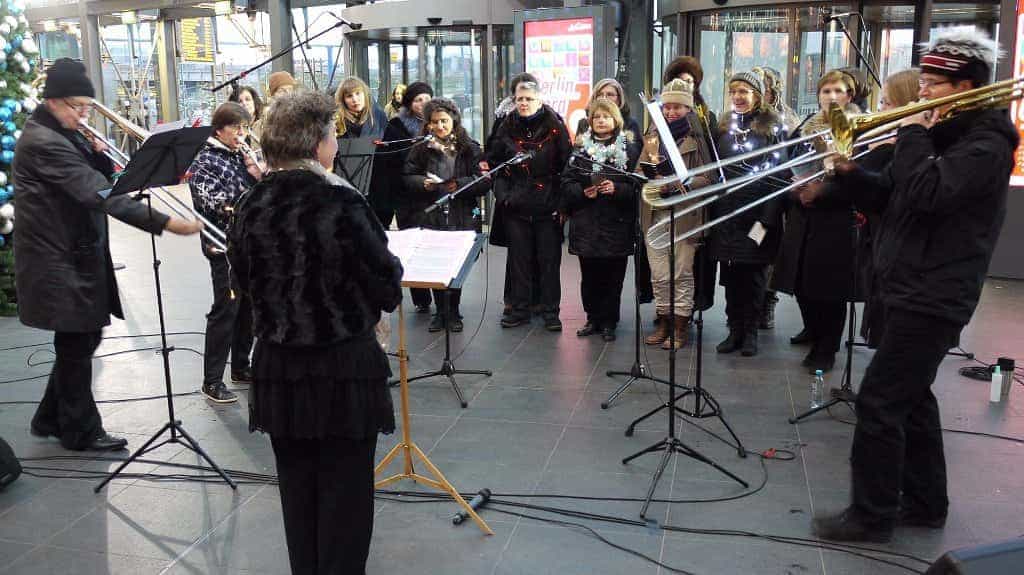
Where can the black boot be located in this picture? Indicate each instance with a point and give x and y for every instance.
(732, 342)
(749, 341)
(851, 526)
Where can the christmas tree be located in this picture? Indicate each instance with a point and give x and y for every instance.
(17, 100)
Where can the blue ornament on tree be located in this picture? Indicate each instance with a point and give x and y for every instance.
(16, 41)
(10, 103)
(10, 187)
(5, 115)
(2, 241)
(3, 62)
(10, 127)
(6, 157)
(8, 48)
(4, 196)
(7, 142)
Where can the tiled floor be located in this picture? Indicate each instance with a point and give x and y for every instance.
(533, 429)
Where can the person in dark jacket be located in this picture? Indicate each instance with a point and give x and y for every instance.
(815, 260)
(250, 99)
(601, 206)
(220, 174)
(454, 158)
(314, 259)
(612, 90)
(358, 115)
(745, 245)
(528, 192)
(387, 189)
(64, 273)
(943, 199)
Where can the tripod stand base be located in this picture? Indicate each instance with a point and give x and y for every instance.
(176, 430)
(638, 371)
(669, 446)
(838, 396)
(448, 370)
(706, 398)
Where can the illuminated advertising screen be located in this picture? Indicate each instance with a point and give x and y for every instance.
(560, 53)
(1017, 111)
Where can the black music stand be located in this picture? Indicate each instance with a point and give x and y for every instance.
(162, 161)
(354, 162)
(448, 368)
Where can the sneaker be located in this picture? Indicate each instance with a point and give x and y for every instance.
(552, 323)
(436, 323)
(219, 393)
(242, 376)
(587, 329)
(455, 324)
(514, 319)
(608, 334)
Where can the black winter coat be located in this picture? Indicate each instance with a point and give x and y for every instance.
(63, 270)
(729, 241)
(387, 189)
(466, 168)
(314, 260)
(605, 226)
(530, 189)
(943, 201)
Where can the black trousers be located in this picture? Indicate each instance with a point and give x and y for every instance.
(68, 410)
(534, 253)
(534, 289)
(601, 282)
(326, 490)
(406, 220)
(454, 298)
(824, 320)
(744, 293)
(897, 444)
(228, 325)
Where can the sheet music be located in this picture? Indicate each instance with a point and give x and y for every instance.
(431, 256)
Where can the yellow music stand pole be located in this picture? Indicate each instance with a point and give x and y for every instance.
(408, 449)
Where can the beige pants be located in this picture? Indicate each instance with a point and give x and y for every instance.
(659, 260)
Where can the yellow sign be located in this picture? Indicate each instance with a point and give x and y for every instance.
(197, 40)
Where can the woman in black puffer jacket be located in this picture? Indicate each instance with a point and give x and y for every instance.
(528, 193)
(743, 261)
(601, 206)
(454, 158)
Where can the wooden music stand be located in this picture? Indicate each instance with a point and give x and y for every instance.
(406, 447)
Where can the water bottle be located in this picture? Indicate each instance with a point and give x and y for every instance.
(817, 389)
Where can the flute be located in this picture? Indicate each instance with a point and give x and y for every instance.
(249, 152)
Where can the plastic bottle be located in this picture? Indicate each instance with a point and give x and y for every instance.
(995, 394)
(817, 389)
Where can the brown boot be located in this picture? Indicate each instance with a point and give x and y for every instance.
(660, 333)
(682, 333)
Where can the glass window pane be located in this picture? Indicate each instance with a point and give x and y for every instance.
(373, 67)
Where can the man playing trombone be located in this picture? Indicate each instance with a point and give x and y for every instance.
(943, 200)
(64, 274)
(224, 169)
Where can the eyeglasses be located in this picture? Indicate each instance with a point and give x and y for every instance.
(78, 108)
(924, 83)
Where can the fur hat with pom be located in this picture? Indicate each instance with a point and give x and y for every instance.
(960, 55)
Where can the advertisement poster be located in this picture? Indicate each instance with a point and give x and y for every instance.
(560, 53)
(1016, 109)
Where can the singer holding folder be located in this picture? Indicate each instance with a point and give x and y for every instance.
(448, 162)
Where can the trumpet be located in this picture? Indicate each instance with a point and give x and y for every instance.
(210, 231)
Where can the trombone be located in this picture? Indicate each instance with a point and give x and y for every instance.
(210, 231)
(847, 134)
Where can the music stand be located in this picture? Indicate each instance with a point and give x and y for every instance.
(354, 161)
(161, 161)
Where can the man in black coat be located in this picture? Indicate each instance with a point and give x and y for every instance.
(944, 198)
(64, 273)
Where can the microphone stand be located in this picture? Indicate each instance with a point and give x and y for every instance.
(856, 48)
(286, 50)
(448, 368)
(638, 371)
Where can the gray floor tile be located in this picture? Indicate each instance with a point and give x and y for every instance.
(56, 561)
(544, 550)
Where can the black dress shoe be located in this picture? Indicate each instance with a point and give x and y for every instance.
(587, 329)
(105, 442)
(801, 338)
(552, 323)
(731, 343)
(608, 334)
(514, 319)
(436, 323)
(849, 526)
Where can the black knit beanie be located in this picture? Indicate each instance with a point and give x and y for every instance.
(66, 79)
(415, 89)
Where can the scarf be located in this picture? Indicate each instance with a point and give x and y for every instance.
(680, 129)
(412, 123)
(314, 166)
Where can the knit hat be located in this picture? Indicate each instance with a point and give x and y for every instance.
(961, 55)
(677, 92)
(278, 80)
(66, 79)
(749, 78)
(415, 89)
